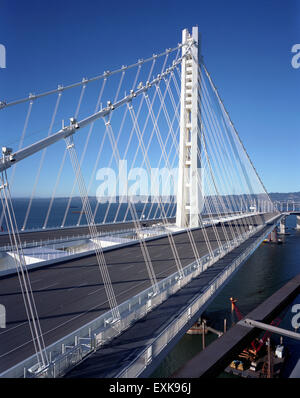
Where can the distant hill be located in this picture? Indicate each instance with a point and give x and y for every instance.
(275, 196)
(295, 196)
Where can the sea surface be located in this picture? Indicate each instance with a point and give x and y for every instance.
(68, 214)
(268, 269)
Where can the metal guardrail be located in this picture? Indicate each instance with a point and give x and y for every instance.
(63, 248)
(138, 365)
(39, 229)
(71, 238)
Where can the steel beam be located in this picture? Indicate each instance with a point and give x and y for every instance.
(32, 97)
(269, 328)
(8, 161)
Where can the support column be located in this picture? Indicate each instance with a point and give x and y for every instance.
(282, 226)
(273, 236)
(189, 193)
(298, 222)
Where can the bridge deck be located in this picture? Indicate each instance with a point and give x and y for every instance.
(57, 233)
(67, 232)
(70, 294)
(110, 360)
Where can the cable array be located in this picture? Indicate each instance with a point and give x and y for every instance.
(140, 125)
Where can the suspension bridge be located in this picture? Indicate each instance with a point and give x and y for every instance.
(138, 211)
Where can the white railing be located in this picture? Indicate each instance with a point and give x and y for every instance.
(107, 224)
(73, 237)
(62, 239)
(138, 365)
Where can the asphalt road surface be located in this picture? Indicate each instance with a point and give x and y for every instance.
(57, 233)
(71, 293)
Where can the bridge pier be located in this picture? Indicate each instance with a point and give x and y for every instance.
(298, 222)
(282, 226)
(273, 236)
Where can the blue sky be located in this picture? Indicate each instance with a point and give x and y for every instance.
(246, 47)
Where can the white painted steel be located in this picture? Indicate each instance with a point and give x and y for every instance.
(8, 161)
(189, 195)
(269, 328)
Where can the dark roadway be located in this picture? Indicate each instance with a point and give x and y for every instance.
(66, 232)
(57, 233)
(70, 294)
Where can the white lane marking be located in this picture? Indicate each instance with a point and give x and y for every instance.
(82, 284)
(95, 291)
(14, 327)
(46, 287)
(129, 266)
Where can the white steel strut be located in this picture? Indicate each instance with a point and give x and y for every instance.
(189, 195)
(12, 158)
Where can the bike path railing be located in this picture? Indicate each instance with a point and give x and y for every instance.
(153, 350)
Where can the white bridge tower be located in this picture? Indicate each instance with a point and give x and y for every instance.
(189, 194)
